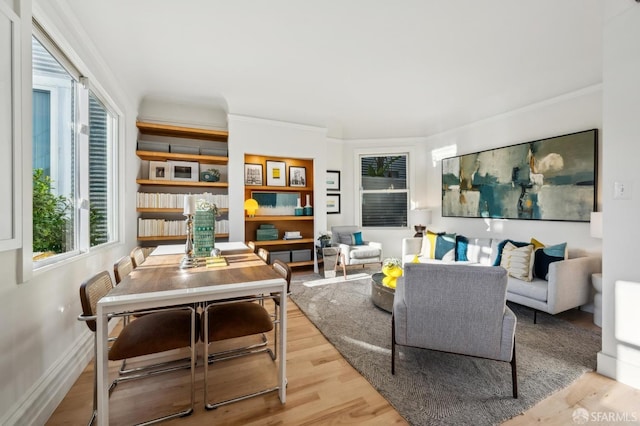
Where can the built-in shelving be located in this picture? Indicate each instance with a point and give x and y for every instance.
(179, 133)
(302, 224)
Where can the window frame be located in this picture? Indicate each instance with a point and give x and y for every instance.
(382, 151)
(86, 86)
(14, 185)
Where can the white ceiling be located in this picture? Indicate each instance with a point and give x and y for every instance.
(362, 68)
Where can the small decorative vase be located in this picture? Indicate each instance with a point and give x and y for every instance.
(391, 275)
(298, 211)
(308, 210)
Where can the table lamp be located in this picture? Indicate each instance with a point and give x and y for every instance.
(251, 206)
(421, 217)
(188, 261)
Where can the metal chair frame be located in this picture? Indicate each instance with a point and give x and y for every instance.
(232, 353)
(147, 371)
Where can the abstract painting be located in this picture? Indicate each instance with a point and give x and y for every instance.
(547, 179)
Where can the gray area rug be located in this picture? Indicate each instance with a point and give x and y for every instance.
(433, 388)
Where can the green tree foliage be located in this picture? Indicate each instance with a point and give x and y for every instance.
(50, 216)
(381, 167)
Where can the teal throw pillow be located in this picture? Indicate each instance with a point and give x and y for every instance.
(445, 246)
(462, 243)
(357, 239)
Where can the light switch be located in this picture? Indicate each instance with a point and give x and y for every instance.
(622, 190)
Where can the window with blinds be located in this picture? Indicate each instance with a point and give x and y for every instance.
(384, 192)
(74, 138)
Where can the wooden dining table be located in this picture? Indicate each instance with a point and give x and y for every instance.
(160, 282)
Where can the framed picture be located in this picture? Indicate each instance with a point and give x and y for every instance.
(297, 176)
(253, 174)
(159, 170)
(333, 180)
(333, 203)
(547, 179)
(185, 171)
(276, 173)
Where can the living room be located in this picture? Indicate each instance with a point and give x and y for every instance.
(607, 102)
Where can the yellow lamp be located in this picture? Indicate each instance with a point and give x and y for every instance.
(251, 206)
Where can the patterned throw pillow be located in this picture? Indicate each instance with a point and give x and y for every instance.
(428, 249)
(518, 261)
(545, 256)
(498, 261)
(445, 246)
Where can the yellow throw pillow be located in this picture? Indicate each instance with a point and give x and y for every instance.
(518, 261)
(429, 245)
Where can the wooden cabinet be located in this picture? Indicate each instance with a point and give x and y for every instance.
(283, 222)
(160, 198)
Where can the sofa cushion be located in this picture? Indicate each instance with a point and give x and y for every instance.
(345, 238)
(535, 289)
(364, 252)
(518, 261)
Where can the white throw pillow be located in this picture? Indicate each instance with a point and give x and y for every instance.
(518, 261)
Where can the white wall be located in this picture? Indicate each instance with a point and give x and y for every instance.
(574, 112)
(620, 355)
(43, 347)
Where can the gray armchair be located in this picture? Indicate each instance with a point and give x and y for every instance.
(455, 308)
(355, 254)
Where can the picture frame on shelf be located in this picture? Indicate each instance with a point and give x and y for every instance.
(333, 180)
(159, 170)
(276, 173)
(297, 176)
(253, 174)
(333, 203)
(184, 171)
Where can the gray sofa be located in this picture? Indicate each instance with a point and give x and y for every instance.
(568, 284)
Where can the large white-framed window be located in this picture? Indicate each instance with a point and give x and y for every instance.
(384, 189)
(74, 149)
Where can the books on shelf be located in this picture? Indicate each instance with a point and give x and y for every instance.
(167, 228)
(156, 200)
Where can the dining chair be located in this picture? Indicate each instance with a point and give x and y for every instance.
(252, 246)
(263, 254)
(122, 268)
(158, 331)
(285, 271)
(137, 256)
(230, 320)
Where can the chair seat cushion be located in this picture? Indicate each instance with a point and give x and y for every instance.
(364, 252)
(535, 289)
(236, 320)
(153, 333)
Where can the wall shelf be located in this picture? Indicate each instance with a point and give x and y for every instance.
(276, 218)
(283, 242)
(177, 210)
(173, 237)
(181, 183)
(182, 132)
(165, 156)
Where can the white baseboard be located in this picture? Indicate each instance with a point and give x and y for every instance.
(621, 371)
(37, 404)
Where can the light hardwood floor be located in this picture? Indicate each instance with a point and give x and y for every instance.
(323, 389)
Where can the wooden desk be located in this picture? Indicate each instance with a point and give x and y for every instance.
(160, 282)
